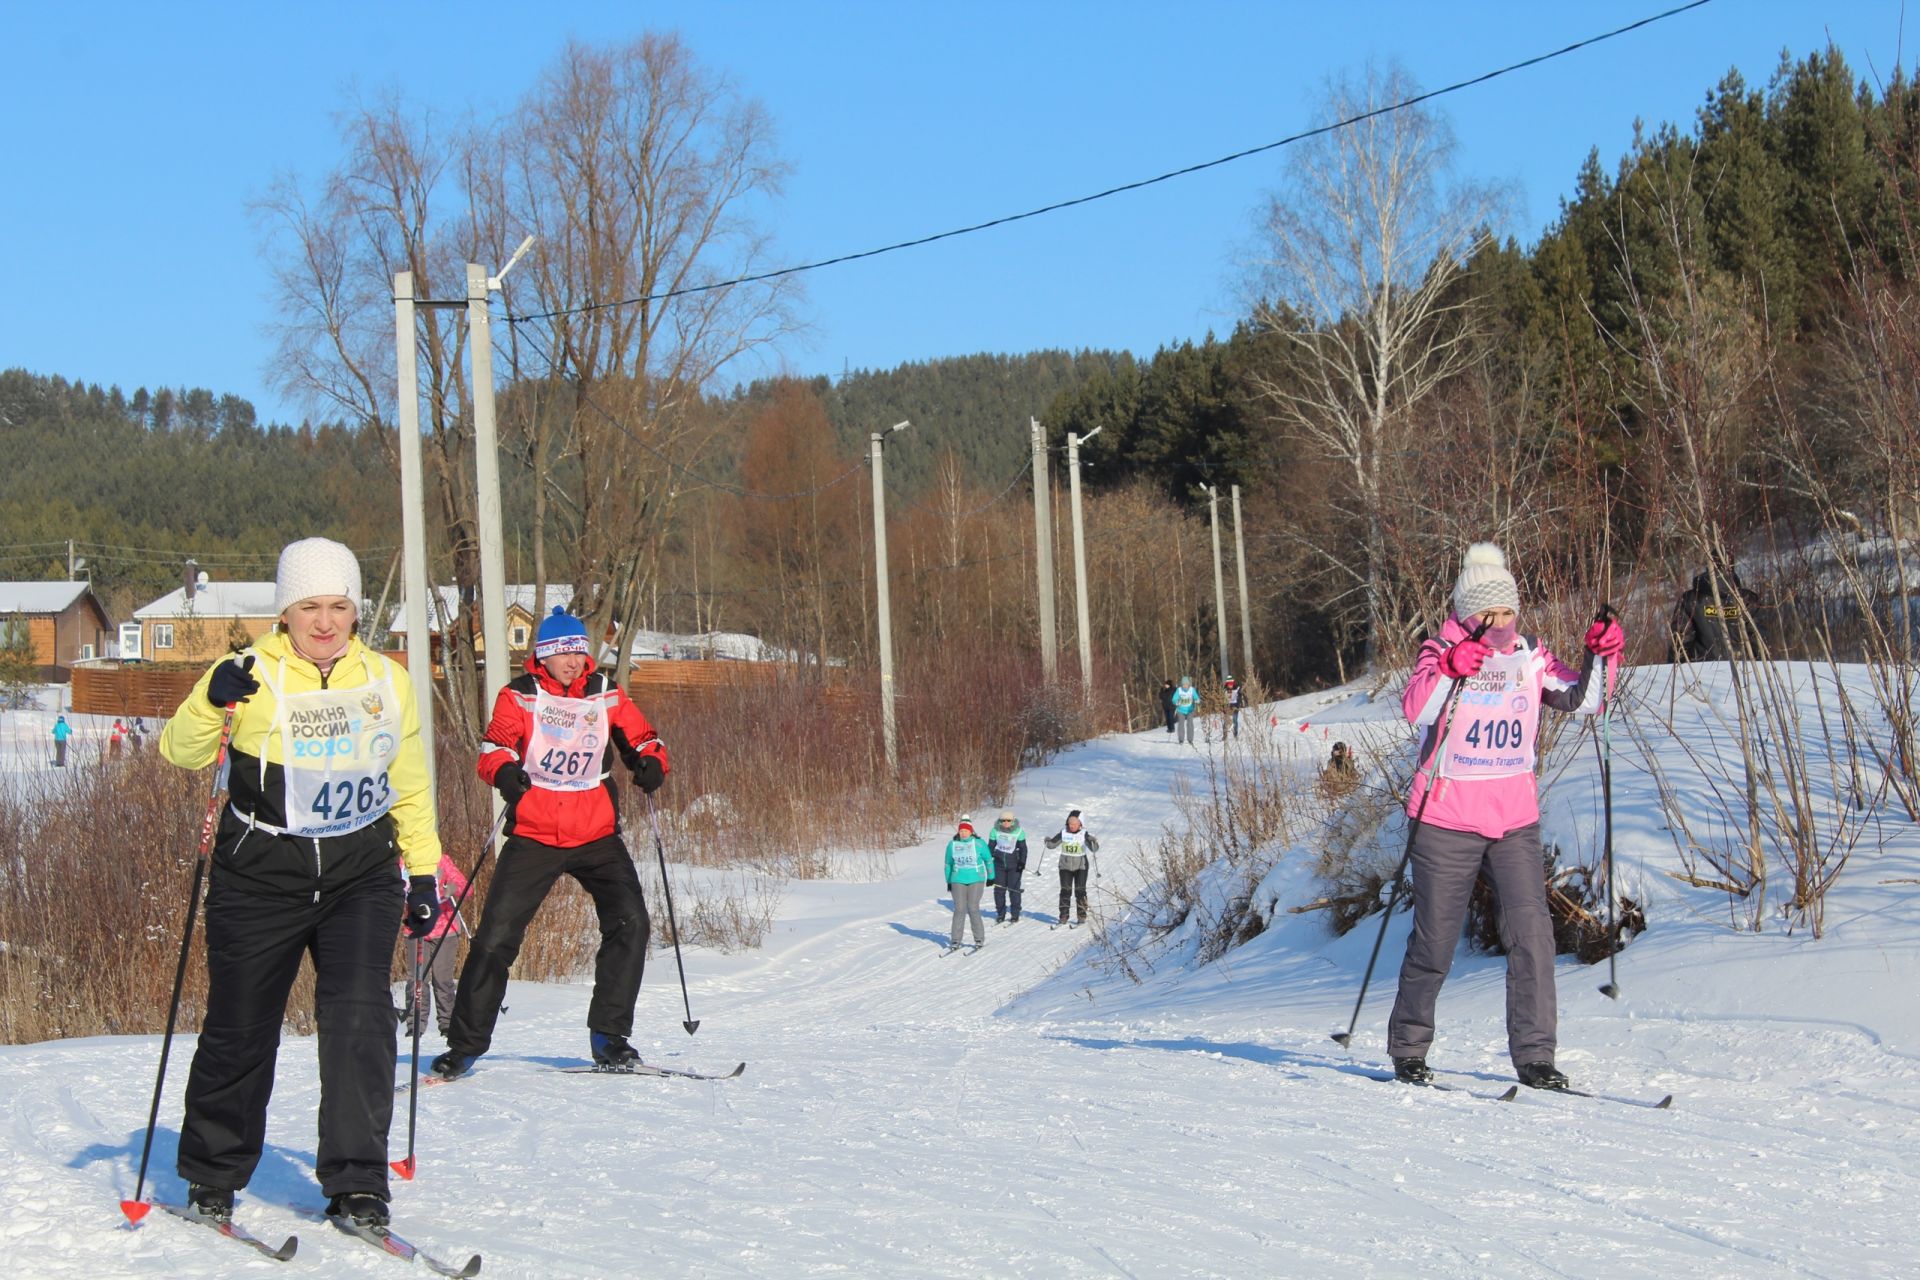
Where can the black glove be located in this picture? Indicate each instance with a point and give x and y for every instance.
(231, 683)
(512, 782)
(648, 775)
(423, 905)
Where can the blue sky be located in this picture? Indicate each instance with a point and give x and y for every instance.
(135, 135)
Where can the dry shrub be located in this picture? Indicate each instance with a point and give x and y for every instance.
(1576, 901)
(1235, 829)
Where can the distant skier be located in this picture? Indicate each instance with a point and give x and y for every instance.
(1076, 845)
(1485, 810)
(1186, 700)
(137, 735)
(1705, 628)
(1166, 704)
(116, 738)
(969, 866)
(1340, 776)
(61, 732)
(1233, 703)
(549, 750)
(1009, 842)
(442, 951)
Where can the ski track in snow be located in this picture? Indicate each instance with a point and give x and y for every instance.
(1019, 1112)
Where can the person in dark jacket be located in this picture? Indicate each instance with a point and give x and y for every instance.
(1009, 844)
(549, 751)
(1705, 629)
(1166, 703)
(1234, 700)
(327, 785)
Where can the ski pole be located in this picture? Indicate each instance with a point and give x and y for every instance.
(421, 963)
(692, 1024)
(1611, 987)
(417, 1006)
(136, 1208)
(1345, 1038)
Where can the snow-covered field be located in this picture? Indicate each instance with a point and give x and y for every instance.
(1022, 1112)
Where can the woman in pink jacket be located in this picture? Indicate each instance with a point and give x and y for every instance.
(1484, 813)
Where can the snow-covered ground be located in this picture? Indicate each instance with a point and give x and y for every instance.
(1024, 1112)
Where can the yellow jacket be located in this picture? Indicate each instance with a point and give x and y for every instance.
(192, 736)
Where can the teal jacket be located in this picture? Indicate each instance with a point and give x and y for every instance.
(969, 861)
(1185, 698)
(62, 731)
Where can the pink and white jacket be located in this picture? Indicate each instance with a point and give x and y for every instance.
(452, 885)
(1490, 806)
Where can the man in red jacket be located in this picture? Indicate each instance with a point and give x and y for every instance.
(549, 751)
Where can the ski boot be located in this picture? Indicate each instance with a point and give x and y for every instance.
(215, 1204)
(613, 1053)
(1542, 1075)
(452, 1064)
(359, 1208)
(1412, 1071)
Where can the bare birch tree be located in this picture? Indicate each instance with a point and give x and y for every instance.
(639, 171)
(1357, 255)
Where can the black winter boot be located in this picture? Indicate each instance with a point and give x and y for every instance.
(1412, 1071)
(1542, 1075)
(361, 1208)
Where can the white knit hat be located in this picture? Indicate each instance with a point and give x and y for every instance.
(1484, 582)
(315, 567)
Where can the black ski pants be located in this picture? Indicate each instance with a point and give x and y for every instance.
(1073, 884)
(521, 880)
(254, 945)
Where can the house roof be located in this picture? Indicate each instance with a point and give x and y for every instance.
(518, 593)
(39, 597)
(214, 600)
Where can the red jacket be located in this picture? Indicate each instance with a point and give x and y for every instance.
(565, 819)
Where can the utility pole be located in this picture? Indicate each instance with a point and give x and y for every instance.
(1240, 565)
(1074, 441)
(1219, 582)
(486, 475)
(70, 577)
(1043, 552)
(889, 733)
(413, 521)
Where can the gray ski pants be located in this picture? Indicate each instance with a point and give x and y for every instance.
(1445, 864)
(1186, 729)
(966, 906)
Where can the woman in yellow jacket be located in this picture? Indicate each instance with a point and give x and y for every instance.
(327, 786)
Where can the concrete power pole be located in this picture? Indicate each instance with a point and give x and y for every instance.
(413, 521)
(1219, 581)
(1074, 441)
(889, 731)
(486, 475)
(1246, 607)
(1043, 553)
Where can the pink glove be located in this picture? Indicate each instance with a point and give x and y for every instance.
(1464, 659)
(1606, 639)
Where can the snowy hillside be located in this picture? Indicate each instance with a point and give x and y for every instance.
(1026, 1112)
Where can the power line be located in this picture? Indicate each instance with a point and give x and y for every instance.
(1004, 220)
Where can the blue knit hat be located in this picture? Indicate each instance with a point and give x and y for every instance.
(560, 632)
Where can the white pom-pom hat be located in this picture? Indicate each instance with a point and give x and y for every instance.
(315, 567)
(1484, 582)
